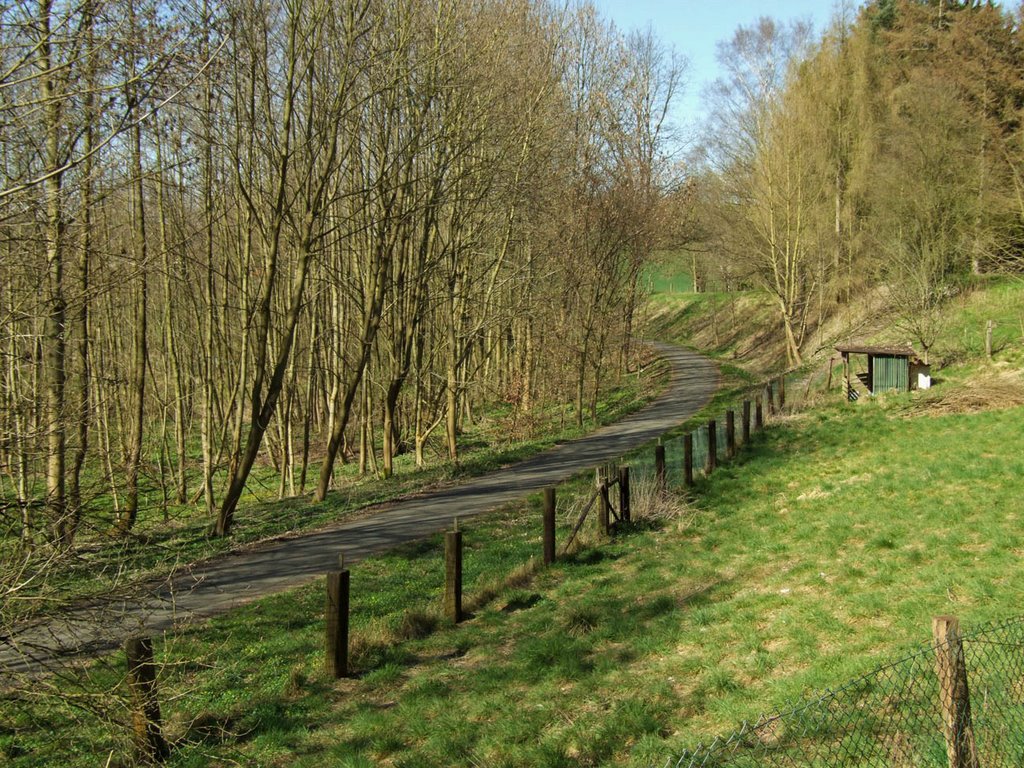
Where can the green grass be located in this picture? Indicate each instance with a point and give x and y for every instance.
(821, 553)
(106, 562)
(669, 274)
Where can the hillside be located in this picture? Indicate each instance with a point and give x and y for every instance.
(824, 549)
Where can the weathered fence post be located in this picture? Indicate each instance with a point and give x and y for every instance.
(659, 468)
(336, 615)
(604, 524)
(453, 575)
(758, 414)
(712, 460)
(730, 434)
(988, 339)
(954, 695)
(782, 391)
(769, 398)
(688, 459)
(549, 526)
(746, 422)
(149, 737)
(624, 501)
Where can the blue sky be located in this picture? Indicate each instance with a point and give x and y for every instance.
(695, 26)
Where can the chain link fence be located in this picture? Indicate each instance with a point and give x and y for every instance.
(911, 713)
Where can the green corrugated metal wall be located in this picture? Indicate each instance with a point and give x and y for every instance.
(891, 373)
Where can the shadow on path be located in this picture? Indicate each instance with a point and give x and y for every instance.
(215, 586)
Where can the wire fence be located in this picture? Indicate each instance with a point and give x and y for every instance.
(643, 464)
(911, 713)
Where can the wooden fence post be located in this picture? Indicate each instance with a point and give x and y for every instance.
(337, 623)
(954, 695)
(758, 414)
(149, 737)
(624, 501)
(688, 459)
(746, 422)
(988, 339)
(549, 526)
(769, 399)
(730, 434)
(453, 575)
(712, 460)
(782, 391)
(604, 524)
(659, 468)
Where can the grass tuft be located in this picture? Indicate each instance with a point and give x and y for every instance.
(417, 624)
(580, 621)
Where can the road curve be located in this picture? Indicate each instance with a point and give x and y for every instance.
(215, 586)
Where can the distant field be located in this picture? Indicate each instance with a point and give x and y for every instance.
(669, 274)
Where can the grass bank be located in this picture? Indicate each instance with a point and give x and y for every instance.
(822, 551)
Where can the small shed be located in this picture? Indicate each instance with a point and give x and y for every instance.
(889, 368)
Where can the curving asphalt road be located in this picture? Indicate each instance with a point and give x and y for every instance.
(216, 586)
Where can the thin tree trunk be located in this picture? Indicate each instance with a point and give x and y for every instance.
(53, 326)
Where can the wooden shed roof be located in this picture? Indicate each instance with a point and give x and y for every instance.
(861, 349)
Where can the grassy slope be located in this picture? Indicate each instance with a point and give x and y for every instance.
(824, 550)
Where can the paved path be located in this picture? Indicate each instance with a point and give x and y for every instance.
(216, 586)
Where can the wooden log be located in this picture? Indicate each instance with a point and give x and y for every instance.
(730, 434)
(579, 522)
(688, 459)
(549, 526)
(453, 575)
(746, 422)
(149, 737)
(336, 623)
(624, 500)
(758, 414)
(659, 468)
(954, 696)
(712, 459)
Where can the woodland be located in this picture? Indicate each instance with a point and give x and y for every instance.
(253, 241)
(885, 155)
(301, 233)
(296, 234)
